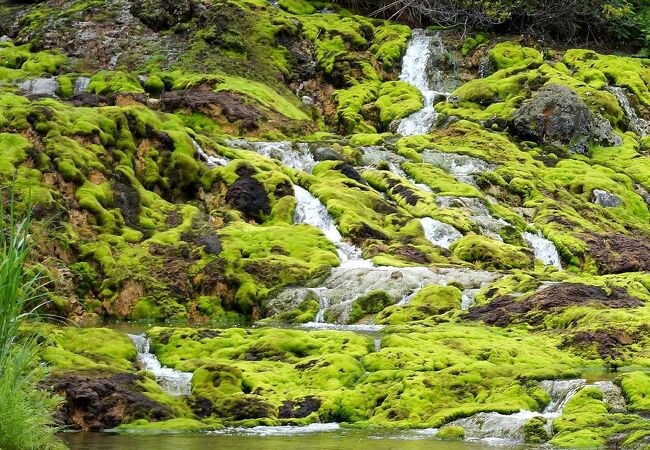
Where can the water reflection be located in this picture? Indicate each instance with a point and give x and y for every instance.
(348, 439)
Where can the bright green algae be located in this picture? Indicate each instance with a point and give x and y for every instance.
(138, 228)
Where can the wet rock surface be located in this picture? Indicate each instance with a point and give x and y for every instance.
(248, 196)
(556, 115)
(102, 403)
(162, 15)
(605, 198)
(502, 311)
(232, 105)
(618, 253)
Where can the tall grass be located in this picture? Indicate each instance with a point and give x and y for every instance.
(25, 410)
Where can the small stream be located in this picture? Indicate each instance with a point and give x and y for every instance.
(334, 439)
(172, 381)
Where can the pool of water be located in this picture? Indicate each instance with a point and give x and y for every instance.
(335, 440)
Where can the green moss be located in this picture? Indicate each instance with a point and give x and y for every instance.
(260, 259)
(13, 151)
(305, 311)
(92, 349)
(471, 43)
(171, 425)
(535, 431)
(351, 103)
(389, 44)
(33, 64)
(106, 82)
(397, 100)
(430, 301)
(154, 85)
(511, 55)
(636, 388)
(370, 303)
(298, 7)
(266, 96)
(451, 433)
(491, 254)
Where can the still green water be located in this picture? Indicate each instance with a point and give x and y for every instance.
(341, 439)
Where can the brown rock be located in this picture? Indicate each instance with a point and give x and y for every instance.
(618, 253)
(229, 104)
(94, 404)
(505, 309)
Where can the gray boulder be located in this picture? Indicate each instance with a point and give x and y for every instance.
(605, 198)
(327, 154)
(557, 116)
(40, 87)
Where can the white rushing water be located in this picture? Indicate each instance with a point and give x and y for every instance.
(462, 167)
(439, 233)
(346, 284)
(80, 85)
(498, 428)
(374, 155)
(425, 66)
(414, 71)
(211, 161)
(475, 209)
(297, 156)
(543, 249)
(637, 124)
(468, 298)
(172, 381)
(311, 211)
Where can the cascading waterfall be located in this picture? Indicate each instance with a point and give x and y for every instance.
(297, 156)
(468, 298)
(439, 233)
(462, 167)
(502, 428)
(543, 249)
(311, 211)
(345, 284)
(477, 212)
(172, 381)
(637, 124)
(211, 161)
(416, 68)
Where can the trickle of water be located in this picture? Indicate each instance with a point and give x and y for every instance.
(509, 428)
(211, 161)
(296, 156)
(415, 60)
(281, 430)
(543, 249)
(439, 233)
(346, 284)
(560, 391)
(462, 167)
(311, 211)
(80, 85)
(416, 70)
(476, 210)
(468, 298)
(172, 381)
(419, 122)
(637, 124)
